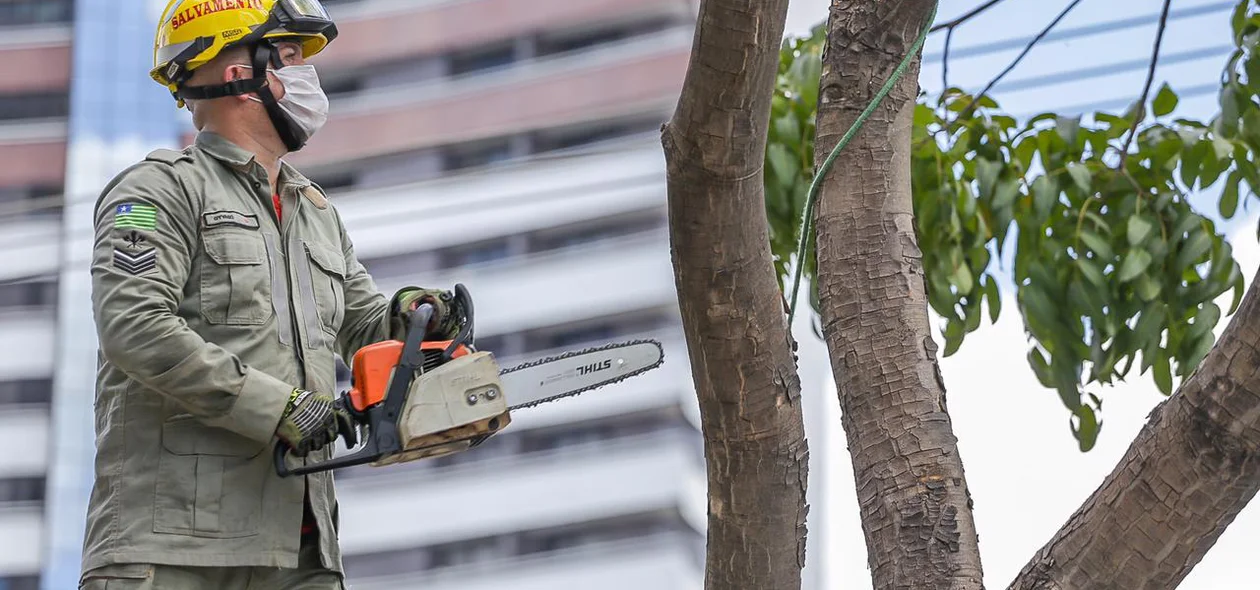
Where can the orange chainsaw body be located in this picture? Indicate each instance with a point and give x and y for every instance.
(374, 364)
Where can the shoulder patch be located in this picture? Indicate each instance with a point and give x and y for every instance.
(166, 156)
(315, 197)
(218, 218)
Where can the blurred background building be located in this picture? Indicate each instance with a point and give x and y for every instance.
(509, 145)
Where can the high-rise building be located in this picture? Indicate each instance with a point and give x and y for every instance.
(509, 145)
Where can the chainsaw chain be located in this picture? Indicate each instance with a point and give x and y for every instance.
(581, 352)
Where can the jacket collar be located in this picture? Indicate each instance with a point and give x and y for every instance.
(229, 153)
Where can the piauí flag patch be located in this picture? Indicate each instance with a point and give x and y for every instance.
(135, 216)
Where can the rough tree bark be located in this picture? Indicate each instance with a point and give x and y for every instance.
(732, 312)
(1189, 472)
(914, 501)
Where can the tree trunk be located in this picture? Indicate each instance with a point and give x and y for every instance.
(732, 312)
(914, 501)
(1189, 472)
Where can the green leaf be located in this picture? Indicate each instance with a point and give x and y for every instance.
(1195, 247)
(1098, 244)
(1205, 320)
(953, 337)
(986, 174)
(1147, 287)
(788, 128)
(1068, 128)
(785, 166)
(962, 279)
(1081, 175)
(1134, 264)
(1045, 194)
(1006, 193)
(1086, 429)
(1091, 273)
(1163, 374)
(1229, 197)
(1139, 229)
(1202, 346)
(1165, 101)
(1040, 368)
(993, 297)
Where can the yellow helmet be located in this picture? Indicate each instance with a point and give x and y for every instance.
(192, 32)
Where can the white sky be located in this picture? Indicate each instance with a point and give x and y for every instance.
(1025, 472)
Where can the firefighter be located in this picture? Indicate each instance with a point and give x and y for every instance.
(223, 284)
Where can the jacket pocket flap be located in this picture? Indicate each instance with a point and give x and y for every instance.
(234, 248)
(327, 259)
(186, 435)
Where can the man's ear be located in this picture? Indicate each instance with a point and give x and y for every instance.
(236, 72)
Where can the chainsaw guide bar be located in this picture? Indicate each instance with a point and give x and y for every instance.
(575, 372)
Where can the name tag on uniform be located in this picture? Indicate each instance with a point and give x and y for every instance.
(218, 218)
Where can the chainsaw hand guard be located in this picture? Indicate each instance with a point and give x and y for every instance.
(380, 419)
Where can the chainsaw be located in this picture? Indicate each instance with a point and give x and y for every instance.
(419, 399)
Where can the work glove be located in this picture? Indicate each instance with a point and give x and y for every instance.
(444, 325)
(311, 421)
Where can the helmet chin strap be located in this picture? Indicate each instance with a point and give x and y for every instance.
(264, 53)
(290, 134)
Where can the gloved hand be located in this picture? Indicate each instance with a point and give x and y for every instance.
(311, 421)
(444, 325)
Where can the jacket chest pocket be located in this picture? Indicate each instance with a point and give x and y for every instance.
(235, 278)
(322, 279)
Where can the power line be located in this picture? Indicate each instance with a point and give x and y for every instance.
(1077, 32)
(1110, 69)
(1122, 102)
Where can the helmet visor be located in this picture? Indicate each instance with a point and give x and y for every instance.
(305, 10)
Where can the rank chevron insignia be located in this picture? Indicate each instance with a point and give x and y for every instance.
(135, 264)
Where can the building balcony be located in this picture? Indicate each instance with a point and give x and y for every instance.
(374, 31)
(33, 151)
(30, 246)
(671, 561)
(634, 77)
(28, 346)
(35, 58)
(506, 199)
(20, 545)
(573, 484)
(601, 279)
(28, 424)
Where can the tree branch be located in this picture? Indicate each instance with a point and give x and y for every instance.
(976, 99)
(1146, 89)
(945, 61)
(1187, 475)
(953, 24)
(738, 342)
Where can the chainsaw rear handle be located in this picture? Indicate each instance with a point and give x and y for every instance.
(381, 420)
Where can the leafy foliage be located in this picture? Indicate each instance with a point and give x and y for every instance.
(1111, 262)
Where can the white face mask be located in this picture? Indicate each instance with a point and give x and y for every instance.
(304, 101)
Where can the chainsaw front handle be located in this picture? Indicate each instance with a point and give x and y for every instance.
(382, 420)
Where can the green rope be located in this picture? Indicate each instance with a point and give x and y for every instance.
(807, 222)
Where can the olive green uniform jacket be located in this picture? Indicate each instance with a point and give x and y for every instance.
(209, 313)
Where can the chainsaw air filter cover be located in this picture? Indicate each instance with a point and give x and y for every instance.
(450, 408)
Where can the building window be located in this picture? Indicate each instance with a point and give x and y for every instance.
(482, 58)
(26, 392)
(32, 12)
(19, 582)
(460, 156)
(593, 331)
(519, 544)
(579, 135)
(21, 489)
(553, 43)
(586, 233)
(28, 293)
(478, 253)
(35, 105)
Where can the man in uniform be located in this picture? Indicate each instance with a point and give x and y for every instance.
(223, 283)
